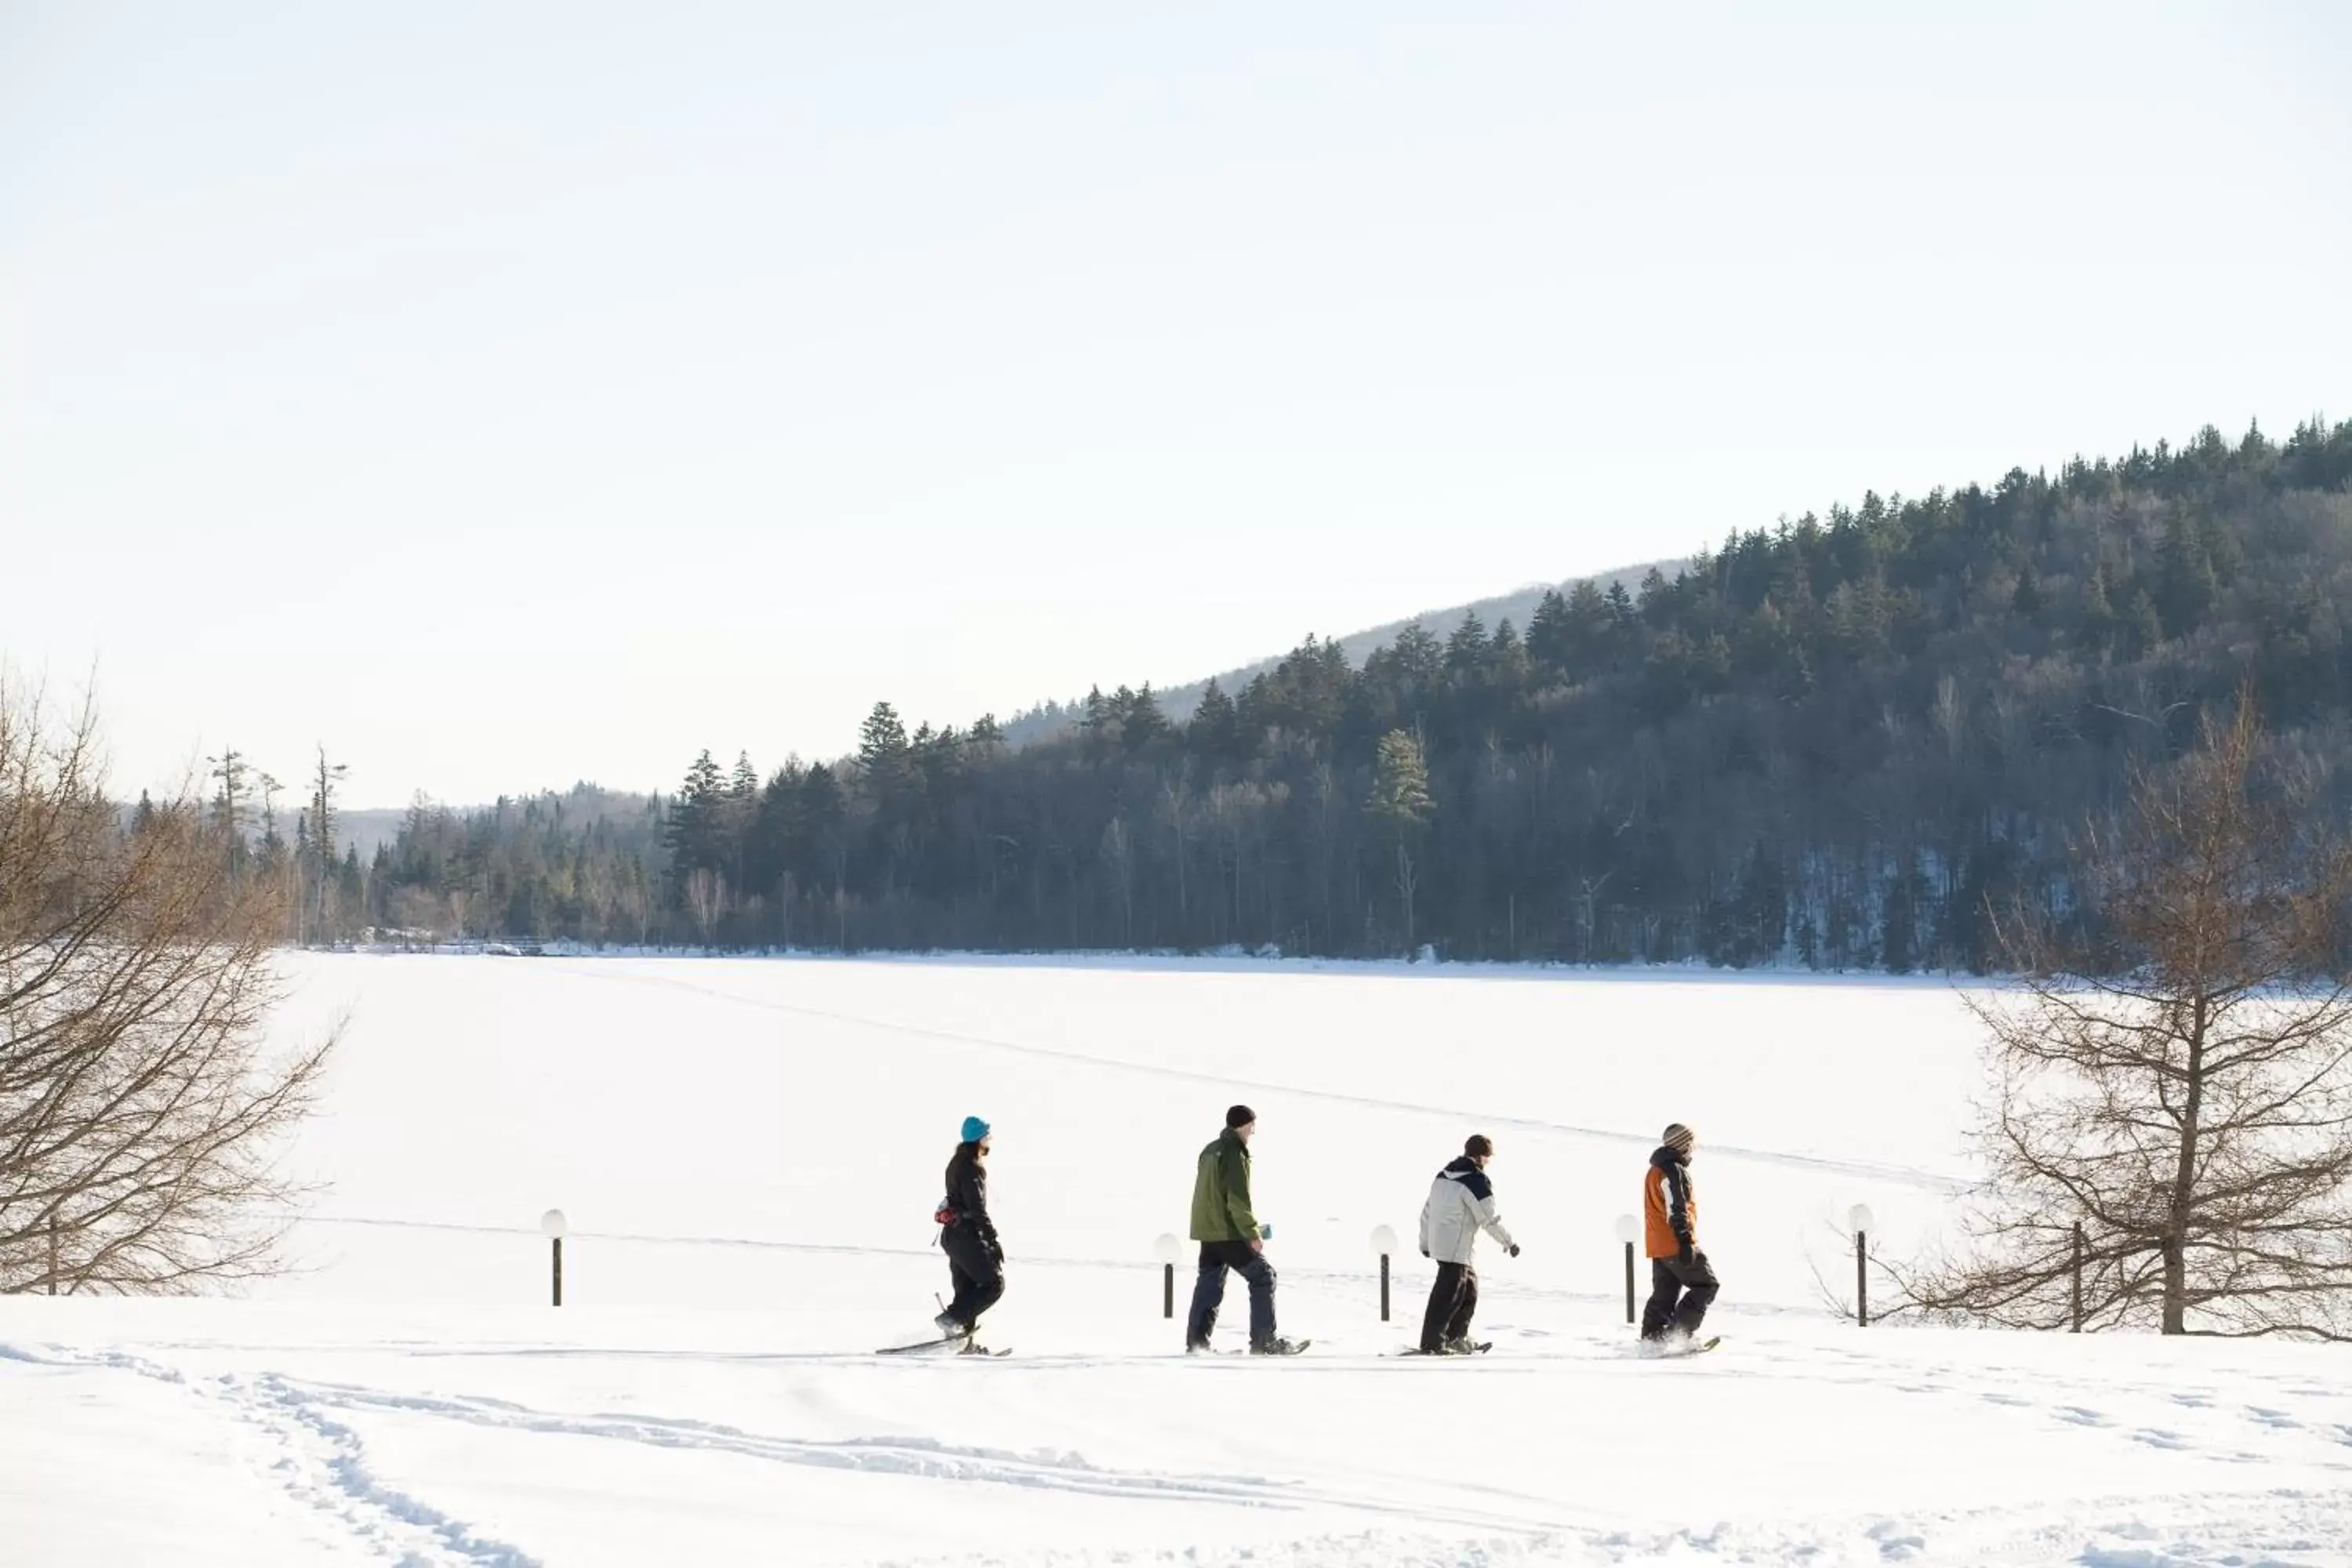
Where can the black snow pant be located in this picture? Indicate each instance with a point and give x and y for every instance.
(1694, 1283)
(1209, 1290)
(978, 1273)
(1452, 1302)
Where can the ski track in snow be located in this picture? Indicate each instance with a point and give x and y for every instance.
(296, 1411)
(1900, 1175)
(324, 1464)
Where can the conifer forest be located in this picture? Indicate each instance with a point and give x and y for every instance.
(1835, 742)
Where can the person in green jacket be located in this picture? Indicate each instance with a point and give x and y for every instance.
(1231, 1238)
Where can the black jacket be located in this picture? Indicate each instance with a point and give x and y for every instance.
(968, 1195)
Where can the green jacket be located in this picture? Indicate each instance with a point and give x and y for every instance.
(1221, 1192)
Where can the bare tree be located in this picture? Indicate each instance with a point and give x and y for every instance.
(2179, 1085)
(1176, 804)
(705, 895)
(139, 1113)
(1118, 853)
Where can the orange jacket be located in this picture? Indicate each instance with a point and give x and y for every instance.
(1669, 1207)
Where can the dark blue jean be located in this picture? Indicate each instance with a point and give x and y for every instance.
(1209, 1290)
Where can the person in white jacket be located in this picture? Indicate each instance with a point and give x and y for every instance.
(1461, 1204)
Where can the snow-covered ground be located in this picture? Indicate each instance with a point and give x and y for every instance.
(749, 1151)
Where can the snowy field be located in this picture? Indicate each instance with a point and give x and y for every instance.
(749, 1151)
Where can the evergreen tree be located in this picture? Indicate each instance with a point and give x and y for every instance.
(1551, 639)
(2186, 584)
(692, 834)
(325, 782)
(1466, 650)
(1097, 726)
(1402, 802)
(1418, 657)
(1216, 729)
(1144, 725)
(883, 752)
(2026, 601)
(232, 805)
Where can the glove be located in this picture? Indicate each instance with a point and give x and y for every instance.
(1513, 1249)
(1424, 1252)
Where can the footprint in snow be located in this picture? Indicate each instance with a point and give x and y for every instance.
(2012, 1400)
(2156, 1437)
(2194, 1401)
(1895, 1544)
(2082, 1417)
(2277, 1420)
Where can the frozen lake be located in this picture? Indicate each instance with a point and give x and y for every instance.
(813, 1103)
(749, 1151)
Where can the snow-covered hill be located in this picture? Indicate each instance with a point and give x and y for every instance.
(1048, 719)
(749, 1152)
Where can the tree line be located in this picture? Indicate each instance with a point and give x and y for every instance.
(1835, 743)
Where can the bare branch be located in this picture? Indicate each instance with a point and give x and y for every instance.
(140, 1116)
(2182, 1091)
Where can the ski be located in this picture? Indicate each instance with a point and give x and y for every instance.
(924, 1345)
(970, 1347)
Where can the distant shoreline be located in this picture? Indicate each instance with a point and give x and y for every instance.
(1693, 970)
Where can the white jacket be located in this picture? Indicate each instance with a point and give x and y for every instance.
(1461, 1204)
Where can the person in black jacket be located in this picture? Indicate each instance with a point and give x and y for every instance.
(975, 1257)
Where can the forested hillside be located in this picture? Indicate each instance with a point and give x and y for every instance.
(1826, 742)
(1049, 719)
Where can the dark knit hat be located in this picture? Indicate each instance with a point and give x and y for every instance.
(1240, 1116)
(1678, 1138)
(1480, 1146)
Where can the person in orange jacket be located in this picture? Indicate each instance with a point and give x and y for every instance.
(1682, 1282)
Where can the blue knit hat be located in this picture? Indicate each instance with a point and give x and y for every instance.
(974, 1130)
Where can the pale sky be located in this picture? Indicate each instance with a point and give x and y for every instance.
(508, 394)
